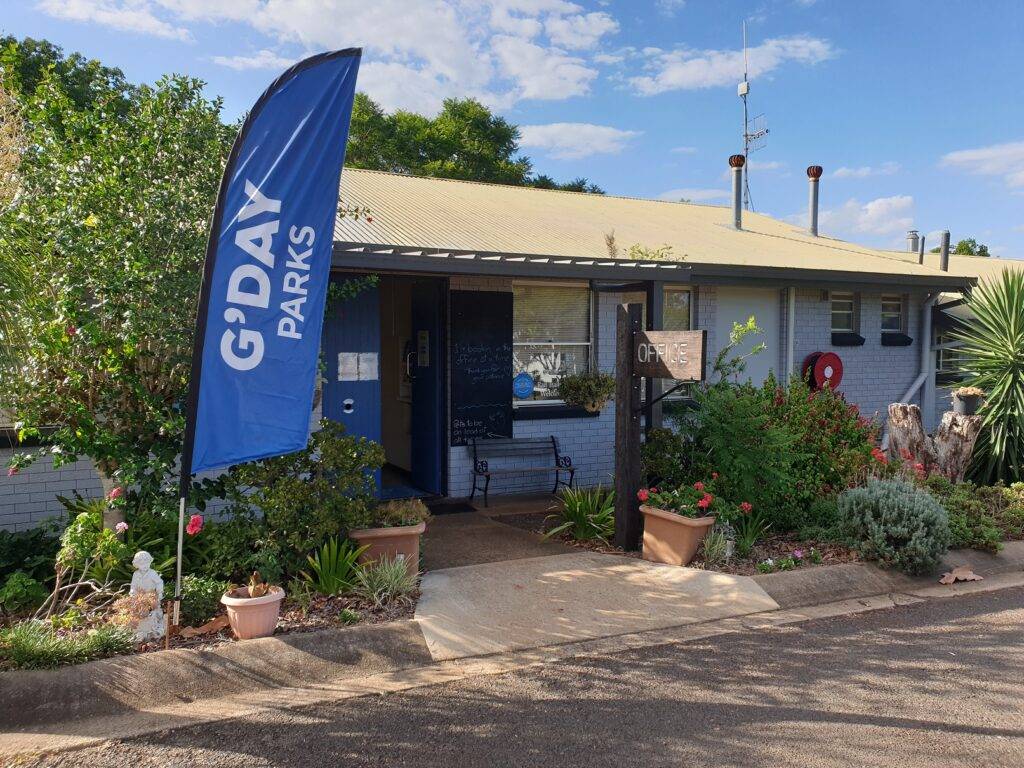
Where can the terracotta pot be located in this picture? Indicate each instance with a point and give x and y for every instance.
(401, 542)
(253, 616)
(966, 405)
(671, 538)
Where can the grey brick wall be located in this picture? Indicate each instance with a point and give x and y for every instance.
(30, 497)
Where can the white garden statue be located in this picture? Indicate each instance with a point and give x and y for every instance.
(144, 580)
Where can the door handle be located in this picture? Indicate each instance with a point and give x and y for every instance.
(408, 365)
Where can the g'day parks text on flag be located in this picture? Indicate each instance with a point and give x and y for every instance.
(250, 289)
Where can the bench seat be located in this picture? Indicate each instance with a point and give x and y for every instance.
(486, 450)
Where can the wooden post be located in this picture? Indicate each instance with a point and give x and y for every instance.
(628, 523)
(655, 321)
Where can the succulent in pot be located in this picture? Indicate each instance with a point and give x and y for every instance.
(396, 533)
(966, 400)
(253, 609)
(589, 390)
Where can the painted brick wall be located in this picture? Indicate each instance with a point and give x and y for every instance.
(30, 497)
(873, 376)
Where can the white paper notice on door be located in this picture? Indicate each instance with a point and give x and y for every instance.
(357, 366)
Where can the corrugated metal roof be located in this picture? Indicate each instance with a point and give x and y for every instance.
(444, 214)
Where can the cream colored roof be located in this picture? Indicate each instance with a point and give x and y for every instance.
(469, 216)
(979, 267)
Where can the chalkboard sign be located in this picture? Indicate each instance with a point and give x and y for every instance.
(481, 372)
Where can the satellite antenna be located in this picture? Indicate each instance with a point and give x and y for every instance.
(755, 131)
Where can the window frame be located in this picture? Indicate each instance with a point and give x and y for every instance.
(591, 334)
(854, 311)
(893, 298)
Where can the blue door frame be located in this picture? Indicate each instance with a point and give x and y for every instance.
(352, 389)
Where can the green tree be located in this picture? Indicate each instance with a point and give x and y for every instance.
(968, 247)
(112, 224)
(464, 141)
(13, 270)
(992, 358)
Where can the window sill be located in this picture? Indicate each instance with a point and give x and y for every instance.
(896, 340)
(538, 412)
(847, 339)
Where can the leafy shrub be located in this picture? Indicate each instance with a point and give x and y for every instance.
(305, 497)
(586, 514)
(385, 581)
(37, 645)
(31, 551)
(990, 358)
(666, 458)
(980, 517)
(401, 512)
(896, 523)
(200, 598)
(821, 521)
(21, 593)
(231, 548)
(588, 390)
(334, 567)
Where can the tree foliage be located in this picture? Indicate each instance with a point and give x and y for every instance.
(992, 358)
(112, 224)
(464, 141)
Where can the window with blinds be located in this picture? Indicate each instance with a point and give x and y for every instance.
(551, 334)
(844, 312)
(892, 313)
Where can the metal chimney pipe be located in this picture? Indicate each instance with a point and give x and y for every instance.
(944, 251)
(912, 241)
(920, 251)
(736, 163)
(813, 175)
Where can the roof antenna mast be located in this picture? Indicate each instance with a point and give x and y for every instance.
(755, 131)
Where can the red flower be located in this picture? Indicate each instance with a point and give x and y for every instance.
(195, 525)
(71, 330)
(654, 490)
(746, 507)
(906, 454)
(878, 455)
(699, 485)
(643, 494)
(705, 502)
(115, 493)
(369, 219)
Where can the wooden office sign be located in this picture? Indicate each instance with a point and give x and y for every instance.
(669, 354)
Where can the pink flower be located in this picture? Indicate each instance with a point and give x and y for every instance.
(654, 490)
(714, 475)
(746, 507)
(115, 493)
(643, 494)
(121, 527)
(798, 554)
(195, 525)
(699, 485)
(71, 330)
(12, 471)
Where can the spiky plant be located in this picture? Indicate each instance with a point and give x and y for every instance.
(992, 359)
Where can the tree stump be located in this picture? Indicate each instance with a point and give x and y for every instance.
(948, 453)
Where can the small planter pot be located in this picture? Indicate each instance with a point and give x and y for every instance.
(400, 543)
(251, 617)
(671, 538)
(594, 406)
(966, 405)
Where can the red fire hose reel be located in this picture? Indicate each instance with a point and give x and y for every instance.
(821, 368)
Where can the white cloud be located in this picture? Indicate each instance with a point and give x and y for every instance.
(122, 15)
(697, 195)
(864, 171)
(1006, 160)
(580, 31)
(878, 217)
(688, 69)
(264, 59)
(571, 141)
(542, 73)
(414, 53)
(669, 7)
(683, 150)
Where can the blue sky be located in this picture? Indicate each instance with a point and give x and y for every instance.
(913, 108)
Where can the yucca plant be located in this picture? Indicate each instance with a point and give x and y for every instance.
(992, 359)
(334, 567)
(586, 514)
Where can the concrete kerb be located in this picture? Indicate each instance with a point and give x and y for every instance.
(120, 698)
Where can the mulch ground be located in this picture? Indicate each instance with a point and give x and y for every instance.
(774, 547)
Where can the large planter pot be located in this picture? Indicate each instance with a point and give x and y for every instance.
(251, 617)
(399, 543)
(966, 405)
(671, 538)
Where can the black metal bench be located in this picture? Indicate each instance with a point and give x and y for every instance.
(507, 447)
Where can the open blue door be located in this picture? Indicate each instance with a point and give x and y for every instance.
(427, 363)
(351, 351)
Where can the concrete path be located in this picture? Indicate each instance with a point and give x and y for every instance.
(504, 606)
(470, 538)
